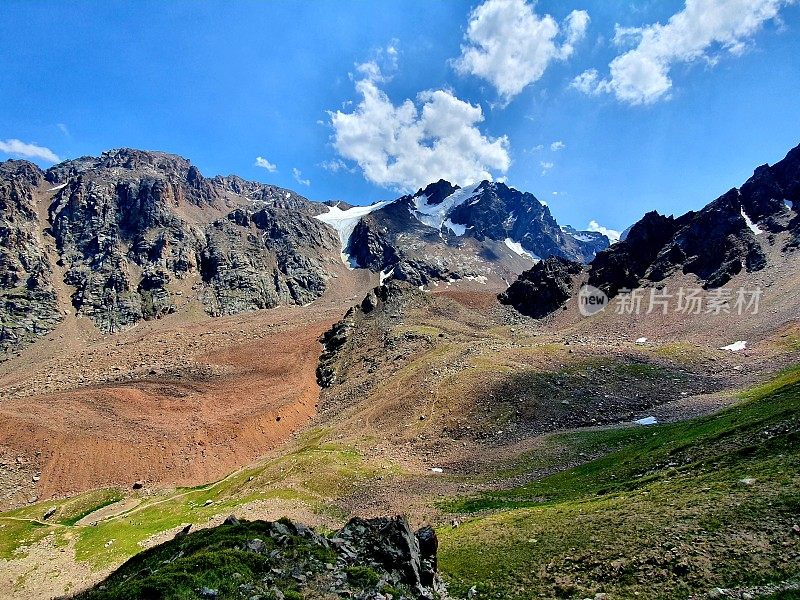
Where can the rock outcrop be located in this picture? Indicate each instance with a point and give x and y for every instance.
(542, 289)
(368, 559)
(28, 302)
(715, 244)
(129, 226)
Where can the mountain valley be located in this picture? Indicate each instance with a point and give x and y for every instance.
(179, 349)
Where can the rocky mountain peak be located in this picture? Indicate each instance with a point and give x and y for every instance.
(436, 192)
(715, 243)
(22, 169)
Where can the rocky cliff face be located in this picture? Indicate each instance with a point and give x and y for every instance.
(28, 302)
(129, 226)
(715, 243)
(543, 288)
(130, 222)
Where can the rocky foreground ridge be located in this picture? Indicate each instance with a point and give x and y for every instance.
(368, 559)
(716, 243)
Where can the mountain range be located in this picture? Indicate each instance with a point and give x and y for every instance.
(189, 359)
(119, 237)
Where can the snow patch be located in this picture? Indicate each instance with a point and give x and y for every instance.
(735, 346)
(517, 248)
(753, 227)
(384, 275)
(482, 279)
(582, 237)
(647, 421)
(789, 204)
(641, 340)
(434, 215)
(437, 470)
(58, 187)
(456, 228)
(345, 221)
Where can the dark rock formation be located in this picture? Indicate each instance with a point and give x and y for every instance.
(367, 559)
(333, 341)
(499, 212)
(423, 249)
(714, 243)
(543, 288)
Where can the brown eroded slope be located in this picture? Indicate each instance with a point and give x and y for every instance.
(179, 401)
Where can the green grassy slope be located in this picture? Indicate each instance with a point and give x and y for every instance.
(670, 511)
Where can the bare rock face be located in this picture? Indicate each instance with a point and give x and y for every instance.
(437, 233)
(129, 226)
(130, 222)
(715, 243)
(28, 303)
(542, 289)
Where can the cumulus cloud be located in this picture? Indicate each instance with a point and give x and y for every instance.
(546, 166)
(20, 148)
(510, 46)
(558, 145)
(298, 177)
(704, 27)
(611, 234)
(409, 145)
(265, 164)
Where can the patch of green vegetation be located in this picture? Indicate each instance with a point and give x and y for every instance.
(670, 511)
(73, 511)
(14, 534)
(218, 559)
(362, 576)
(314, 475)
(680, 352)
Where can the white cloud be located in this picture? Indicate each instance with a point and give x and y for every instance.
(382, 66)
(642, 74)
(408, 146)
(334, 166)
(510, 46)
(370, 70)
(556, 146)
(546, 166)
(611, 234)
(20, 148)
(587, 82)
(265, 164)
(298, 177)
(63, 128)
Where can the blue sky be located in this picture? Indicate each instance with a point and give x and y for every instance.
(359, 100)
